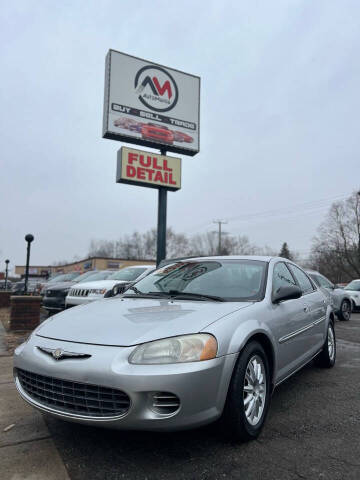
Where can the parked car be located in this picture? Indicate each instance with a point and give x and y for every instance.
(55, 293)
(3, 283)
(154, 132)
(340, 299)
(18, 288)
(191, 343)
(353, 288)
(64, 277)
(97, 288)
(43, 282)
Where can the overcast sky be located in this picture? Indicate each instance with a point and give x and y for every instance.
(279, 119)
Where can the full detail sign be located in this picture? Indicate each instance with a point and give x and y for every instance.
(147, 169)
(151, 105)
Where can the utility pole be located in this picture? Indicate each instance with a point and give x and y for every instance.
(220, 222)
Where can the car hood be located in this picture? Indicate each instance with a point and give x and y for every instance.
(130, 321)
(108, 284)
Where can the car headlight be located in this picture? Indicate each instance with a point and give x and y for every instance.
(187, 348)
(98, 291)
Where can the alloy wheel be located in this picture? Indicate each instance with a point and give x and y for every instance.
(345, 310)
(254, 391)
(331, 343)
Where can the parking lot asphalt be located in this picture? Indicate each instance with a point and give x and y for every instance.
(312, 432)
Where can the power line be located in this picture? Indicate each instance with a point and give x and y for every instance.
(310, 207)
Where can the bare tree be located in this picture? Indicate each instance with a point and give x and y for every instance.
(139, 246)
(336, 249)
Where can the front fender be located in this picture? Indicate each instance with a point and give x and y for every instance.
(235, 331)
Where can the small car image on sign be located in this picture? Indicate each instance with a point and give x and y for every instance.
(151, 105)
(137, 167)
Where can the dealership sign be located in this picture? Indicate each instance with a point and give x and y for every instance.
(151, 105)
(147, 169)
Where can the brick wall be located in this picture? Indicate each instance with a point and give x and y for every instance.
(24, 312)
(4, 299)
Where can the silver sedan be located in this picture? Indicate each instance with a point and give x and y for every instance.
(197, 340)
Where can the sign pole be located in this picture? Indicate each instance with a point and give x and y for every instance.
(161, 223)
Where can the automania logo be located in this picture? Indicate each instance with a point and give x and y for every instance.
(156, 88)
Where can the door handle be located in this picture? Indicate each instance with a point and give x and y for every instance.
(306, 309)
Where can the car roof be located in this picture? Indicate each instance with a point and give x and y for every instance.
(137, 266)
(261, 258)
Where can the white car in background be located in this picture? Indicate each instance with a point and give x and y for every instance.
(353, 289)
(95, 290)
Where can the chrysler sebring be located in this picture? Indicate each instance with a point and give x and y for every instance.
(195, 341)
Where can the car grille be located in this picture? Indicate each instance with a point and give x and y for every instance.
(165, 402)
(79, 292)
(56, 293)
(73, 397)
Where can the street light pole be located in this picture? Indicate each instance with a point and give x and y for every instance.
(28, 238)
(6, 273)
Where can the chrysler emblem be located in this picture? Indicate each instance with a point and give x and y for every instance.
(58, 353)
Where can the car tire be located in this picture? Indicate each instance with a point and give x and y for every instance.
(248, 396)
(345, 311)
(327, 356)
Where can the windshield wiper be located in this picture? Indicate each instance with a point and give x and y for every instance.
(177, 293)
(134, 289)
(139, 294)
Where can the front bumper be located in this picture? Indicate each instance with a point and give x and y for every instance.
(54, 303)
(200, 386)
(356, 300)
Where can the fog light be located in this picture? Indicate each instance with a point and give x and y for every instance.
(165, 403)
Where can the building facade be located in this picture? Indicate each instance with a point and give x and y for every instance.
(81, 266)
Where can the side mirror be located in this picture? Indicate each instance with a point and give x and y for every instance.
(117, 290)
(287, 293)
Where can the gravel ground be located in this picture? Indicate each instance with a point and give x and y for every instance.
(312, 432)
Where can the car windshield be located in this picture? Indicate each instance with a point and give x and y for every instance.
(84, 276)
(65, 277)
(230, 280)
(98, 276)
(354, 285)
(128, 274)
(54, 278)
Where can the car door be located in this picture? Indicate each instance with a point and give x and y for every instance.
(290, 321)
(315, 301)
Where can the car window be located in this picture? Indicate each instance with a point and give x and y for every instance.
(282, 277)
(321, 281)
(302, 279)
